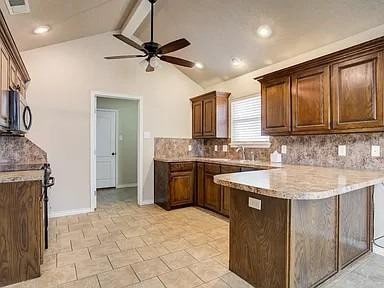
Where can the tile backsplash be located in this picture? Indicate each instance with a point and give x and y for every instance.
(320, 150)
(20, 150)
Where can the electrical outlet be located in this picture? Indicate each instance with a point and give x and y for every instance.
(254, 203)
(375, 151)
(189, 148)
(225, 148)
(216, 148)
(283, 149)
(342, 150)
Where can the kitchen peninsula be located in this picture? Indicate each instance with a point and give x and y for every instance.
(297, 226)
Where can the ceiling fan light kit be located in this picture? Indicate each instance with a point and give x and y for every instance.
(154, 52)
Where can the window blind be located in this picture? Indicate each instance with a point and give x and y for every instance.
(246, 121)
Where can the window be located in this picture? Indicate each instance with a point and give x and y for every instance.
(246, 122)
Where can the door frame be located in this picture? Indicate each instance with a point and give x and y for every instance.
(116, 112)
(92, 151)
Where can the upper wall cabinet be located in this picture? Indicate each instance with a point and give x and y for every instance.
(210, 115)
(339, 93)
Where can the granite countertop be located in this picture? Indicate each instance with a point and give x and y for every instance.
(301, 182)
(244, 163)
(20, 172)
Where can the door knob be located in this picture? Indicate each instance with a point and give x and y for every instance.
(113, 153)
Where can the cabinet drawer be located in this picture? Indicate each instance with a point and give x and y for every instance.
(183, 166)
(212, 168)
(229, 169)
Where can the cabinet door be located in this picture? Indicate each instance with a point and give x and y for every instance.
(311, 100)
(200, 184)
(197, 119)
(212, 193)
(12, 75)
(181, 188)
(209, 119)
(225, 191)
(4, 85)
(357, 92)
(276, 106)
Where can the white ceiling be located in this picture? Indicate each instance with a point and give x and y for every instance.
(222, 29)
(69, 19)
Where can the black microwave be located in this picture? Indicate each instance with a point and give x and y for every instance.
(20, 115)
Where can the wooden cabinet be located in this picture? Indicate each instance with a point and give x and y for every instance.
(338, 93)
(174, 184)
(200, 185)
(225, 191)
(357, 92)
(311, 100)
(4, 62)
(210, 115)
(212, 191)
(276, 102)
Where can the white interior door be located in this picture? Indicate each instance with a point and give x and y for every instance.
(105, 149)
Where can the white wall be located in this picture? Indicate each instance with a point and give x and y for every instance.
(63, 76)
(127, 129)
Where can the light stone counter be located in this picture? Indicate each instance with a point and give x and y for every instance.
(301, 182)
(21, 176)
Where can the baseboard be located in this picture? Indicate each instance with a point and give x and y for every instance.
(378, 250)
(147, 202)
(55, 214)
(131, 185)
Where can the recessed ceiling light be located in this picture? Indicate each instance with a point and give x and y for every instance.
(264, 31)
(237, 62)
(41, 29)
(199, 65)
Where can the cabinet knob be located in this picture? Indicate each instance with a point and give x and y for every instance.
(113, 153)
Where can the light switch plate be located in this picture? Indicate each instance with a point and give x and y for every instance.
(342, 150)
(189, 148)
(283, 149)
(147, 135)
(225, 148)
(216, 148)
(254, 203)
(375, 151)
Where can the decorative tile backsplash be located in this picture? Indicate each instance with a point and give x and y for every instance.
(319, 150)
(20, 150)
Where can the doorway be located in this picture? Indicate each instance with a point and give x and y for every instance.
(116, 148)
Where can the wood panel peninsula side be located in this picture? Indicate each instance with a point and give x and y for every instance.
(297, 226)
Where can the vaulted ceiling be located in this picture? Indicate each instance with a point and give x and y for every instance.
(218, 29)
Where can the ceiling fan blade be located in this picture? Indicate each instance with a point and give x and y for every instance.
(177, 61)
(174, 46)
(123, 57)
(130, 42)
(149, 68)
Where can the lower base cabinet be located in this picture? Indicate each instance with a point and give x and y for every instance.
(181, 184)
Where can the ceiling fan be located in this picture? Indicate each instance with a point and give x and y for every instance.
(154, 51)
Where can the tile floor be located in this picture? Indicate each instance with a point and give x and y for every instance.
(123, 245)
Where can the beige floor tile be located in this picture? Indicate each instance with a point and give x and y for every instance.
(72, 257)
(153, 238)
(176, 244)
(131, 243)
(150, 283)
(93, 232)
(235, 281)
(55, 277)
(178, 260)
(223, 259)
(84, 243)
(111, 237)
(90, 282)
(134, 232)
(118, 278)
(149, 269)
(153, 251)
(180, 278)
(103, 250)
(50, 262)
(197, 238)
(208, 270)
(58, 246)
(73, 235)
(79, 226)
(203, 252)
(124, 258)
(91, 267)
(217, 283)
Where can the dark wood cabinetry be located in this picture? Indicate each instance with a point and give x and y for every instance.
(212, 191)
(210, 115)
(200, 199)
(174, 184)
(276, 103)
(338, 93)
(225, 191)
(20, 231)
(311, 100)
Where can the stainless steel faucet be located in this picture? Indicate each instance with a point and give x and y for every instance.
(241, 148)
